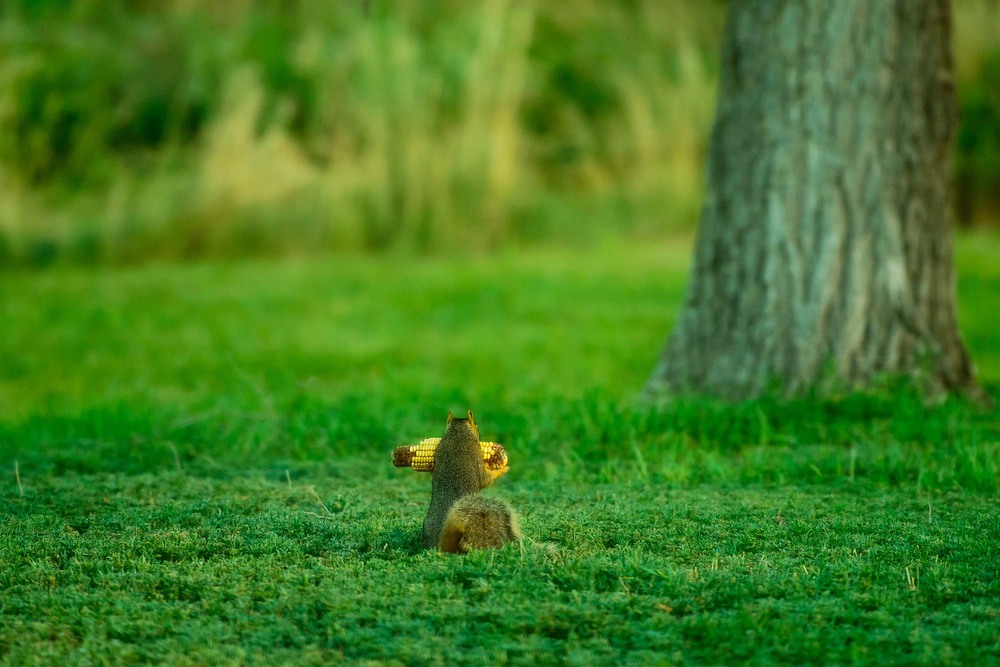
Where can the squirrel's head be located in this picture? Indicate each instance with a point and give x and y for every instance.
(460, 422)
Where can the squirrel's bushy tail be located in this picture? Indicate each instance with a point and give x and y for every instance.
(475, 522)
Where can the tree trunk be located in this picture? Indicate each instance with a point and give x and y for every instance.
(824, 255)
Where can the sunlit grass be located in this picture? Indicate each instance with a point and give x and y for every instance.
(301, 358)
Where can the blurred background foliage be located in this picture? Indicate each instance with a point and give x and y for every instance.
(173, 129)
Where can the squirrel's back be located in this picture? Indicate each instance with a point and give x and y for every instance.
(458, 471)
(459, 518)
(475, 522)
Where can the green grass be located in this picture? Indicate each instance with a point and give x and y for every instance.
(195, 469)
(193, 569)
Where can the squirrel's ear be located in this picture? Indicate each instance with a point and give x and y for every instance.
(470, 417)
(450, 416)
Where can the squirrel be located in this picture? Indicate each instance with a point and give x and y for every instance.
(459, 518)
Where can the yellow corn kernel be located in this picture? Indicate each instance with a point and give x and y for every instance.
(420, 457)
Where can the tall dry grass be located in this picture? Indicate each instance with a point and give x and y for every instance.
(186, 129)
(464, 129)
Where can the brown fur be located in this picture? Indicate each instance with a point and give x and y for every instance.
(475, 522)
(459, 518)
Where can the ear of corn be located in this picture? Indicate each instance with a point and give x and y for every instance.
(420, 457)
(494, 456)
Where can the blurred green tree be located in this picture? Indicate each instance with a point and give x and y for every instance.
(824, 254)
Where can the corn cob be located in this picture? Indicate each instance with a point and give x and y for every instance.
(420, 457)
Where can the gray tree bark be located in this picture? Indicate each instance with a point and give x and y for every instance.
(824, 254)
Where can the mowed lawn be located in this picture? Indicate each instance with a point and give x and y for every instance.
(195, 470)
